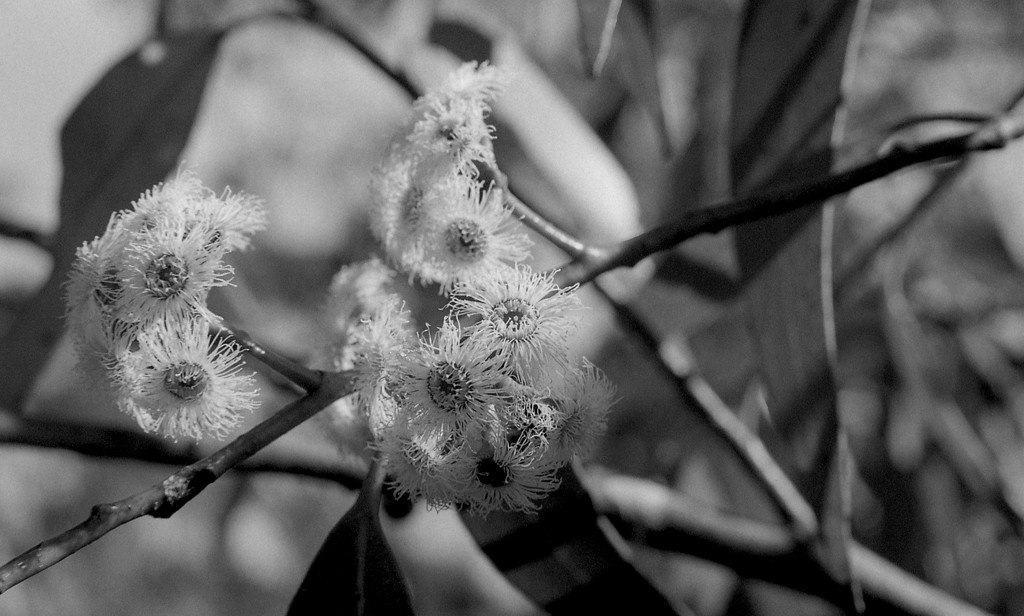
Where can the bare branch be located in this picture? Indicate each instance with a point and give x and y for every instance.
(651, 514)
(103, 442)
(546, 229)
(794, 196)
(312, 13)
(164, 499)
(302, 376)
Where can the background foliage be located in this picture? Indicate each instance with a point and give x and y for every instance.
(930, 337)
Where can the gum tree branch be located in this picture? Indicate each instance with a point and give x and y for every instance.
(793, 196)
(307, 379)
(653, 515)
(558, 238)
(311, 12)
(164, 499)
(114, 443)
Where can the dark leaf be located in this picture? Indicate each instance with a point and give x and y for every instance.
(563, 557)
(702, 277)
(124, 137)
(355, 572)
(788, 88)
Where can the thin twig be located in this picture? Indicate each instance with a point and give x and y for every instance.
(312, 13)
(558, 238)
(162, 18)
(654, 515)
(302, 376)
(794, 196)
(164, 499)
(114, 443)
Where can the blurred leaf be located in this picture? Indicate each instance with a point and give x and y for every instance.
(789, 80)
(620, 35)
(355, 571)
(996, 176)
(563, 558)
(124, 137)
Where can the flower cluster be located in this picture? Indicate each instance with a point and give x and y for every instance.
(137, 308)
(366, 325)
(433, 216)
(482, 411)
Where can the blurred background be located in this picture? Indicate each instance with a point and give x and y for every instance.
(930, 327)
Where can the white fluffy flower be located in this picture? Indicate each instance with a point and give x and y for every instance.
(510, 476)
(182, 383)
(423, 464)
(526, 314)
(582, 405)
(452, 381)
(225, 222)
(473, 236)
(137, 295)
(167, 275)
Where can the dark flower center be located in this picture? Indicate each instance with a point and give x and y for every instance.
(465, 240)
(447, 131)
(166, 275)
(492, 473)
(450, 130)
(186, 381)
(449, 387)
(515, 318)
